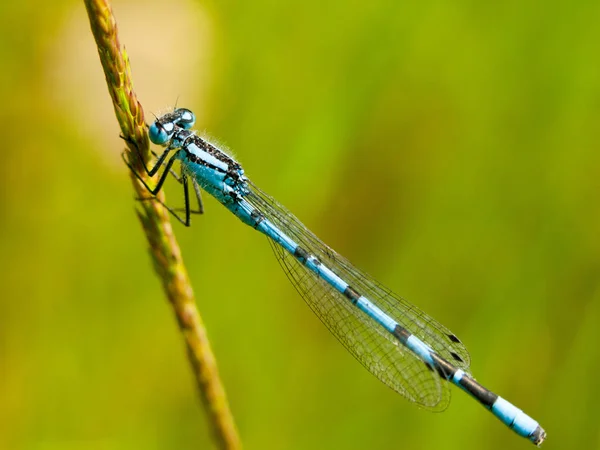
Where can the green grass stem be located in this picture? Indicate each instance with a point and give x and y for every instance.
(155, 220)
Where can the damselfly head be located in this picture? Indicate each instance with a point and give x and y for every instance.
(160, 133)
(184, 118)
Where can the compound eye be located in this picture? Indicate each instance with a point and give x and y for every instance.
(160, 133)
(187, 118)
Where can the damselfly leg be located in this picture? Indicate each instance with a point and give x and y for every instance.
(181, 179)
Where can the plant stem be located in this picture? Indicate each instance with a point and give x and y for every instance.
(164, 249)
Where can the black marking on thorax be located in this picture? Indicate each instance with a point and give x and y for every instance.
(233, 167)
(191, 156)
(214, 151)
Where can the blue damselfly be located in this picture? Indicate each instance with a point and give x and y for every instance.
(406, 349)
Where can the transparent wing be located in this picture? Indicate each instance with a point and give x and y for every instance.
(368, 342)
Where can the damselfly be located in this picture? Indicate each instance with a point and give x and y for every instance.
(406, 349)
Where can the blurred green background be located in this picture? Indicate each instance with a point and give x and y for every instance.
(448, 148)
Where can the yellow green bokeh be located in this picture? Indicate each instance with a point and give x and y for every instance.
(450, 149)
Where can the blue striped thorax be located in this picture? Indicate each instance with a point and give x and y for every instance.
(213, 169)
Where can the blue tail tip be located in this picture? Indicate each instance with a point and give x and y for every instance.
(538, 436)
